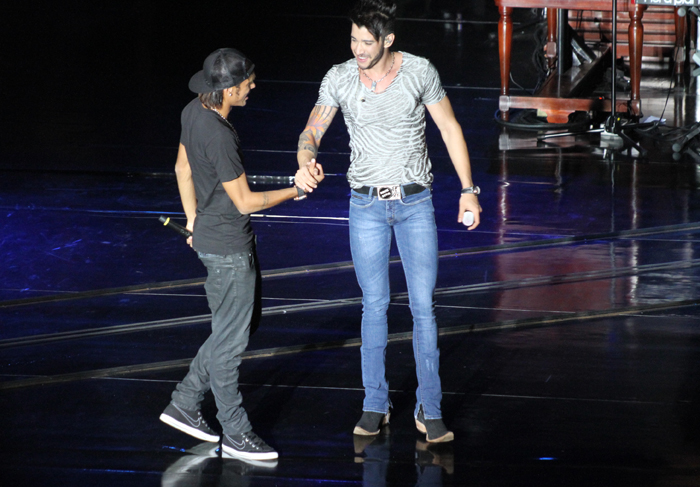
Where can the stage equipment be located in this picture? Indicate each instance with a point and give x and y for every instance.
(613, 133)
(613, 136)
(561, 96)
(692, 133)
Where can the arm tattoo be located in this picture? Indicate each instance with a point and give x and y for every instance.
(319, 121)
(305, 144)
(266, 200)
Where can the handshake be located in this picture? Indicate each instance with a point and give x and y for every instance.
(307, 178)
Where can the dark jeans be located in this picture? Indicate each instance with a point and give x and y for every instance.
(231, 287)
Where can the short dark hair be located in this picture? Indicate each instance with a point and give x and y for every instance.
(377, 16)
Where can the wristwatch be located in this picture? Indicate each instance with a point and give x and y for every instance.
(471, 190)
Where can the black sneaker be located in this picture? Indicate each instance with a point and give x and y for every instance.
(248, 446)
(370, 423)
(434, 429)
(190, 422)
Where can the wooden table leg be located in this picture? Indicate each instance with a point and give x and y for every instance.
(551, 37)
(636, 38)
(505, 37)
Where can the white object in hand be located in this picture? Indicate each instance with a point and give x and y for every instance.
(468, 219)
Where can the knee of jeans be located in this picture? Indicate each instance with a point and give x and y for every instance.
(376, 305)
(425, 329)
(422, 309)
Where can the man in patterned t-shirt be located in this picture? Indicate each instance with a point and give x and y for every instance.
(383, 96)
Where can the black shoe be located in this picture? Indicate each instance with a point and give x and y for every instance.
(370, 423)
(434, 429)
(190, 422)
(248, 446)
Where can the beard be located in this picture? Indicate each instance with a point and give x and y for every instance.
(373, 61)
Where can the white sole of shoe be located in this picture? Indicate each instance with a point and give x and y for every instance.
(200, 435)
(273, 455)
(256, 463)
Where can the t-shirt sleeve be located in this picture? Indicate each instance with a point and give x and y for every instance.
(226, 157)
(327, 94)
(433, 92)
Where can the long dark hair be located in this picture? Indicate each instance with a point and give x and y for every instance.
(215, 99)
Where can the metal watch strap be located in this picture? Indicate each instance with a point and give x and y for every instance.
(471, 190)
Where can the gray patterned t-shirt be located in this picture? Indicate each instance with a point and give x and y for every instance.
(387, 129)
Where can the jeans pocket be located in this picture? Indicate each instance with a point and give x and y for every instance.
(243, 261)
(415, 199)
(360, 200)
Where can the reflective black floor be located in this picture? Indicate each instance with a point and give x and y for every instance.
(570, 325)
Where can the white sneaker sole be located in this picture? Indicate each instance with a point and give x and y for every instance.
(188, 429)
(272, 455)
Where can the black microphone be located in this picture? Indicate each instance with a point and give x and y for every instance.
(175, 226)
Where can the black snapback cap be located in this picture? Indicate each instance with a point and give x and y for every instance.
(222, 69)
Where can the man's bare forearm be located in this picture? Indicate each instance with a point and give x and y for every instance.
(459, 154)
(310, 139)
(268, 199)
(185, 184)
(307, 148)
(188, 198)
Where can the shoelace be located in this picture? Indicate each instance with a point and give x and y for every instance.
(254, 440)
(201, 418)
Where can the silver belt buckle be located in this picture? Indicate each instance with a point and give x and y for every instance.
(388, 192)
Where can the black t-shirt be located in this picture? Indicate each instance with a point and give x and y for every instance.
(215, 157)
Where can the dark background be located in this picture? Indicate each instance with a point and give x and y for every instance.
(100, 85)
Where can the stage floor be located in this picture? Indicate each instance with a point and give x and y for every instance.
(569, 320)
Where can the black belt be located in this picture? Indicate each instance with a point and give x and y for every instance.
(385, 192)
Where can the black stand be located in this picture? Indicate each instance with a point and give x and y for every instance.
(612, 135)
(564, 60)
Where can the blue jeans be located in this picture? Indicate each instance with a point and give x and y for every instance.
(231, 293)
(412, 220)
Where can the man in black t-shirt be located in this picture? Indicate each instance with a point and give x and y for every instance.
(217, 202)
